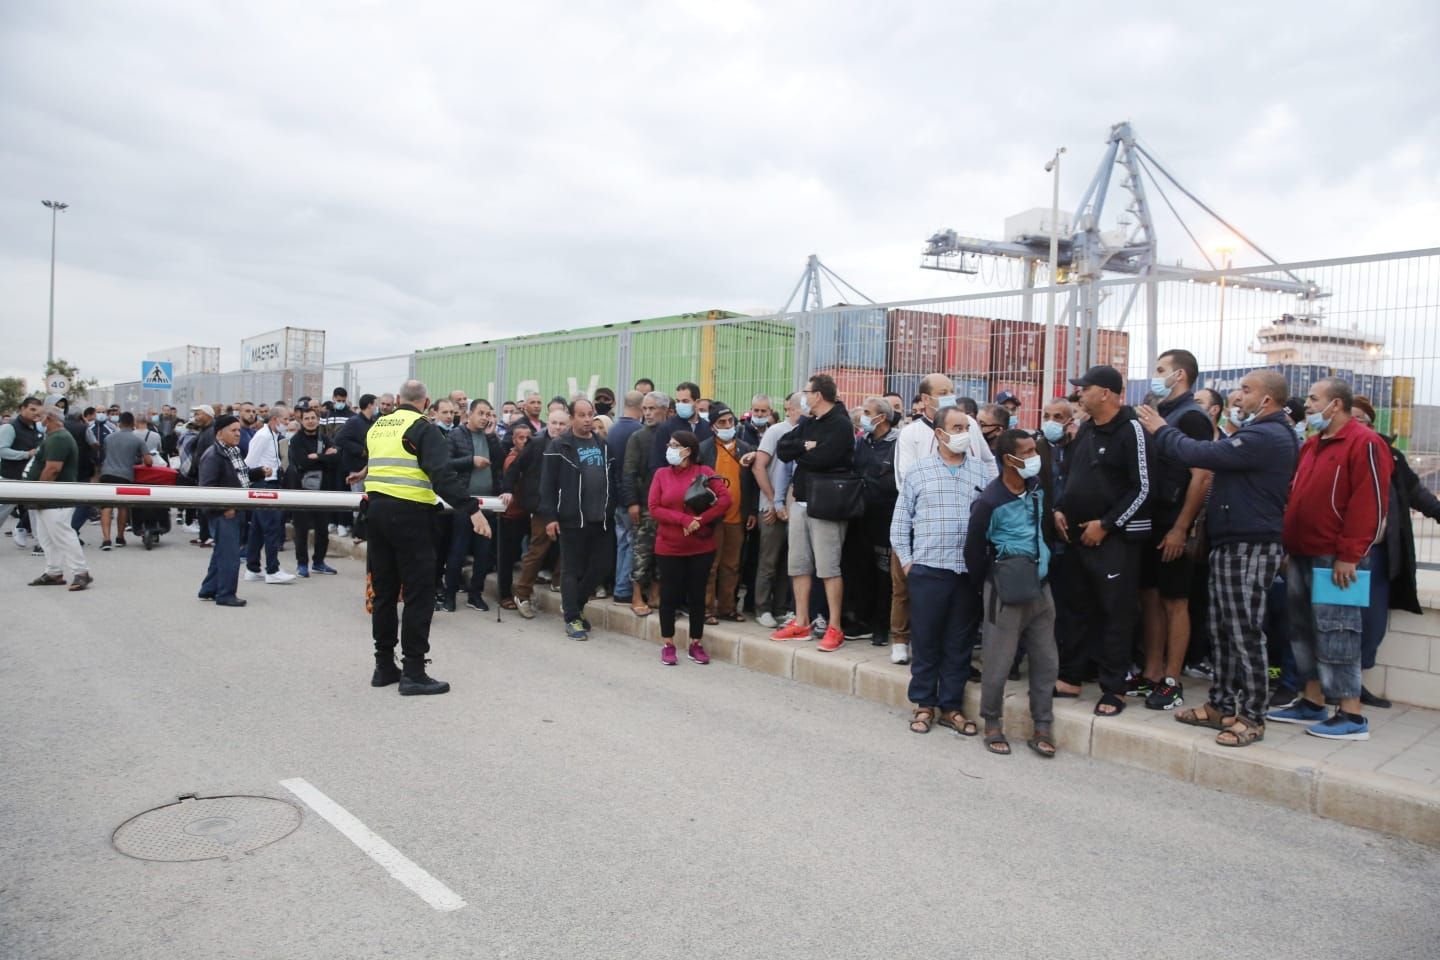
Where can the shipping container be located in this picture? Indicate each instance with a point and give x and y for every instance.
(667, 357)
(976, 388)
(916, 341)
(967, 346)
(188, 359)
(853, 386)
(753, 357)
(287, 348)
(851, 338)
(471, 370)
(1402, 421)
(1383, 421)
(1017, 349)
(1403, 391)
(561, 367)
(1028, 390)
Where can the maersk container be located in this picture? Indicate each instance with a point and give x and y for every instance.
(915, 341)
(851, 339)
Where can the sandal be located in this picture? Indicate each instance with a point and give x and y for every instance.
(509, 604)
(1043, 743)
(1202, 717)
(996, 743)
(733, 617)
(712, 621)
(1240, 734)
(641, 610)
(921, 718)
(956, 721)
(1115, 703)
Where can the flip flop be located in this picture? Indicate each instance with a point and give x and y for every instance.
(1063, 695)
(1110, 700)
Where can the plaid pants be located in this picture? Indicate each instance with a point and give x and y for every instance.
(1240, 576)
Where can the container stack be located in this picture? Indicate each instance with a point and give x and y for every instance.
(849, 345)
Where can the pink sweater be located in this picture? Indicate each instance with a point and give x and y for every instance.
(667, 506)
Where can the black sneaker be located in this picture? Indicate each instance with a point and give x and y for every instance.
(105, 545)
(445, 604)
(478, 603)
(858, 631)
(1139, 686)
(1165, 695)
(386, 672)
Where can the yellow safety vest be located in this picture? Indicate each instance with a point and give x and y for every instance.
(393, 470)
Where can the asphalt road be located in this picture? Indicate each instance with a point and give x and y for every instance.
(586, 802)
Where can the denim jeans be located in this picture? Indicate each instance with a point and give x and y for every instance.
(1325, 637)
(266, 529)
(944, 620)
(624, 554)
(224, 572)
(465, 542)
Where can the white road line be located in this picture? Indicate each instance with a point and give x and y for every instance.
(399, 866)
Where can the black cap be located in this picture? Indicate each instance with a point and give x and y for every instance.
(1102, 376)
(224, 421)
(718, 410)
(1296, 408)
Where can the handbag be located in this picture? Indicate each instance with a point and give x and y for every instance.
(699, 496)
(1017, 579)
(836, 497)
(314, 479)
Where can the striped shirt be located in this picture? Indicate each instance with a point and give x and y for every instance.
(933, 513)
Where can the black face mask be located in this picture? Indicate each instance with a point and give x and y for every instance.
(603, 408)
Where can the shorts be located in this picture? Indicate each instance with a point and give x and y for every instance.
(815, 545)
(1173, 579)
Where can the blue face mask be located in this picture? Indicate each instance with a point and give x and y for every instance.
(867, 425)
(1318, 422)
(1031, 466)
(1052, 431)
(725, 433)
(1160, 386)
(154, 418)
(684, 410)
(945, 402)
(672, 457)
(1300, 430)
(1014, 421)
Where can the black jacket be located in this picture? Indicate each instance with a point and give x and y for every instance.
(427, 442)
(834, 451)
(203, 442)
(875, 464)
(350, 440)
(301, 446)
(1406, 493)
(215, 470)
(564, 495)
(462, 457)
(749, 490)
(635, 472)
(661, 438)
(1109, 478)
(522, 479)
(1253, 470)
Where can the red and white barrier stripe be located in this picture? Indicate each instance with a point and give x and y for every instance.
(126, 494)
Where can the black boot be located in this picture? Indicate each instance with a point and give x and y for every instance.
(386, 671)
(415, 682)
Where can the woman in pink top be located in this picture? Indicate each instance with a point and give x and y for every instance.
(684, 542)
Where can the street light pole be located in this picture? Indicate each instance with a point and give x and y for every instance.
(55, 207)
(1048, 379)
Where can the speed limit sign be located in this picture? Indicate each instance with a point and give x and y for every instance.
(57, 383)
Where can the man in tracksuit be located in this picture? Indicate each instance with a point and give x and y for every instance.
(575, 505)
(1104, 516)
(1244, 519)
(1336, 513)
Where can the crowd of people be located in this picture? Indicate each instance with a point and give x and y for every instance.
(1255, 540)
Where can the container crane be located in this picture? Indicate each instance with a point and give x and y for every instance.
(1086, 253)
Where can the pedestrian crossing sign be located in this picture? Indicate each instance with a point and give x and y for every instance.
(156, 374)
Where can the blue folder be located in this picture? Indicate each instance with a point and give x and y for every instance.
(1323, 590)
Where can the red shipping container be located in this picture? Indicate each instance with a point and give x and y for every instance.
(1017, 348)
(1028, 390)
(916, 341)
(967, 346)
(854, 385)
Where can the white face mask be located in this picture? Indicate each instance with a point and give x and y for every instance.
(673, 457)
(1031, 467)
(957, 442)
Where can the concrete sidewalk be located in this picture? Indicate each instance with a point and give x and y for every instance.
(1390, 783)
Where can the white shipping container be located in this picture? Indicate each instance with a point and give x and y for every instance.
(189, 359)
(286, 348)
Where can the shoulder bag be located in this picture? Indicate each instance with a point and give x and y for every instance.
(699, 496)
(836, 497)
(1017, 579)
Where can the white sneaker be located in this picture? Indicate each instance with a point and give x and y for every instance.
(22, 538)
(601, 593)
(788, 619)
(767, 620)
(253, 576)
(332, 528)
(899, 653)
(279, 576)
(191, 528)
(342, 531)
(526, 609)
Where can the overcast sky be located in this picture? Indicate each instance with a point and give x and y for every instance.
(415, 174)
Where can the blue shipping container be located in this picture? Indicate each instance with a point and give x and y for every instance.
(849, 338)
(976, 388)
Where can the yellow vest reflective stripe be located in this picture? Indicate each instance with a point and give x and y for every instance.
(393, 470)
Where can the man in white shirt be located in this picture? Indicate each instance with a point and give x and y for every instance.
(267, 527)
(773, 477)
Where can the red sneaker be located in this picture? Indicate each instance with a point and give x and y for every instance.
(698, 654)
(796, 631)
(833, 640)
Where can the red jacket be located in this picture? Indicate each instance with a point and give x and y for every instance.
(667, 506)
(1340, 495)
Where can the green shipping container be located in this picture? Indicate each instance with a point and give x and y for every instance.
(1382, 421)
(561, 367)
(471, 369)
(754, 357)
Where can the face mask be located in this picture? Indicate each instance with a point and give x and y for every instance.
(957, 443)
(725, 433)
(1236, 417)
(684, 410)
(1318, 422)
(1160, 386)
(705, 416)
(867, 425)
(291, 430)
(1014, 422)
(1052, 430)
(40, 428)
(339, 404)
(945, 402)
(1300, 430)
(603, 408)
(154, 418)
(101, 417)
(1031, 466)
(444, 425)
(672, 457)
(805, 404)
(760, 421)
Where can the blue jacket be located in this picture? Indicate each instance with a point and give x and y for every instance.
(1004, 525)
(1253, 470)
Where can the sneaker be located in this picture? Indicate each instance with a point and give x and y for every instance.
(575, 630)
(601, 593)
(767, 620)
(280, 576)
(301, 570)
(446, 604)
(1341, 726)
(586, 624)
(342, 531)
(667, 655)
(323, 568)
(478, 603)
(1301, 711)
(526, 609)
(1283, 697)
(795, 631)
(1167, 695)
(253, 576)
(1139, 686)
(788, 619)
(1374, 700)
(899, 653)
(333, 528)
(1200, 671)
(35, 551)
(698, 654)
(833, 640)
(22, 538)
(859, 631)
(119, 541)
(818, 626)
(105, 545)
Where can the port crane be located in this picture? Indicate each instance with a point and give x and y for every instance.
(1086, 252)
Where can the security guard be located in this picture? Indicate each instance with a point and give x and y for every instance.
(408, 466)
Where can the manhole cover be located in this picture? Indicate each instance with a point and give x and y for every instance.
(206, 828)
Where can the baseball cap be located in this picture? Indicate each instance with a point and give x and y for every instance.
(1102, 376)
(1005, 396)
(203, 408)
(718, 410)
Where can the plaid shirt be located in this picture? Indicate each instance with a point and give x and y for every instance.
(237, 462)
(933, 512)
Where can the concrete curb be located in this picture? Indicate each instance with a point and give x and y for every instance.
(1149, 740)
